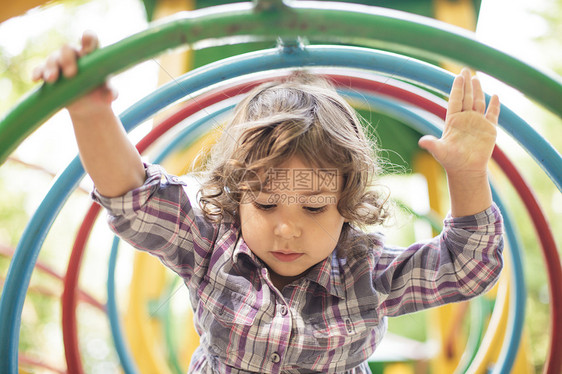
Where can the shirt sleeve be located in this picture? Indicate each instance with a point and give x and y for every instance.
(158, 217)
(464, 261)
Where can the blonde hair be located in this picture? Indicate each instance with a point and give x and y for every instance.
(301, 115)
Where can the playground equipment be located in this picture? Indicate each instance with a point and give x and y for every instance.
(373, 73)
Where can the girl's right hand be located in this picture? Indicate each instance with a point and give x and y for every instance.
(64, 61)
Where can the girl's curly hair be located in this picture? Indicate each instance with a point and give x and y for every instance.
(301, 115)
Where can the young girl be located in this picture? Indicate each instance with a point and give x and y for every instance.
(280, 277)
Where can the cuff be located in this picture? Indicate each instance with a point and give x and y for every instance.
(490, 216)
(134, 200)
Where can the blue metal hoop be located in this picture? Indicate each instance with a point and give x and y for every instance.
(28, 249)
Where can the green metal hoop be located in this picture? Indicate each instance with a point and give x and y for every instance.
(318, 22)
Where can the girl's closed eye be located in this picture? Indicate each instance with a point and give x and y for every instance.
(264, 207)
(316, 210)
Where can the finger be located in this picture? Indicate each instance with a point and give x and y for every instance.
(431, 144)
(479, 104)
(52, 68)
(455, 98)
(68, 56)
(467, 93)
(493, 112)
(89, 43)
(37, 73)
(106, 93)
(112, 93)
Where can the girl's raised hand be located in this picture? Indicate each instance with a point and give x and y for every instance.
(469, 136)
(64, 62)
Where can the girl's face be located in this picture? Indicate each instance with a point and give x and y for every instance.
(295, 223)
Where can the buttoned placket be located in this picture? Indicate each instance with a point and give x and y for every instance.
(280, 330)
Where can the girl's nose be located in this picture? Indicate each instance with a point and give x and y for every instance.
(287, 230)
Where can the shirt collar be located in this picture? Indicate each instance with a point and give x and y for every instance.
(326, 273)
(241, 248)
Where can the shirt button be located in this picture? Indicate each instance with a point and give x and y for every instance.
(275, 358)
(215, 349)
(348, 325)
(283, 310)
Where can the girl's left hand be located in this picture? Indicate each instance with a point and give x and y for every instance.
(469, 136)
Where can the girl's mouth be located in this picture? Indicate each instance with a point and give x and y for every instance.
(286, 257)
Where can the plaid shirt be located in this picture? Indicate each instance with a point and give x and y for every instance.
(332, 319)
